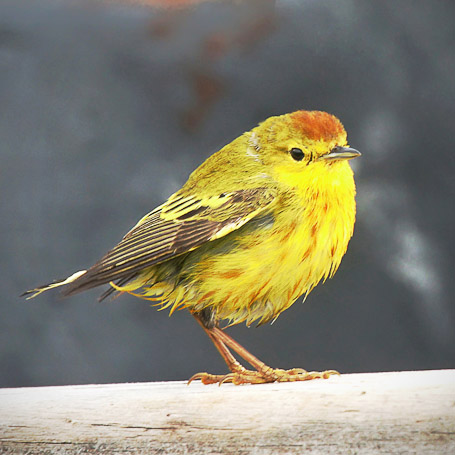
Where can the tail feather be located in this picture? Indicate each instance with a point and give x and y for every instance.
(37, 291)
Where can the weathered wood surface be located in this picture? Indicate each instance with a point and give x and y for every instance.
(407, 412)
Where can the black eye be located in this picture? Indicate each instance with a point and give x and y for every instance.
(297, 154)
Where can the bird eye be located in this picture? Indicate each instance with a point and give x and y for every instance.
(297, 154)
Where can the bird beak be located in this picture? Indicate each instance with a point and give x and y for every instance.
(341, 153)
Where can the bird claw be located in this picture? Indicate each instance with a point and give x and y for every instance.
(266, 376)
(298, 374)
(205, 378)
(227, 378)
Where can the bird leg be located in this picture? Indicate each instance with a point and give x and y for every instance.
(239, 374)
(230, 360)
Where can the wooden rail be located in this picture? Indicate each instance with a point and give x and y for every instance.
(406, 412)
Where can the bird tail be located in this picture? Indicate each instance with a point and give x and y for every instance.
(37, 291)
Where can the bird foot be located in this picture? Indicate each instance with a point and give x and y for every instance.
(266, 376)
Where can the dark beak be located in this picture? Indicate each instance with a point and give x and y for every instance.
(341, 153)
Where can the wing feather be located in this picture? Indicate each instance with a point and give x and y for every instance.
(177, 227)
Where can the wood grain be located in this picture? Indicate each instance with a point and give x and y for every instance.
(405, 412)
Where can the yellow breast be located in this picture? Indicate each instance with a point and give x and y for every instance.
(259, 271)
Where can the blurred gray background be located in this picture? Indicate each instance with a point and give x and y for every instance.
(105, 109)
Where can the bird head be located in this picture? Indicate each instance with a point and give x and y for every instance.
(299, 143)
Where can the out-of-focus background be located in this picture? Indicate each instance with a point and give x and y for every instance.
(105, 109)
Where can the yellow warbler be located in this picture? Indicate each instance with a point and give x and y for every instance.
(257, 225)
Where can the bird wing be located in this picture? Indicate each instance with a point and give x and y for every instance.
(178, 226)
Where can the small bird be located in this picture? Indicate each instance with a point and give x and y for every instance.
(260, 223)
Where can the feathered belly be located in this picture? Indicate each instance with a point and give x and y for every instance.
(260, 270)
